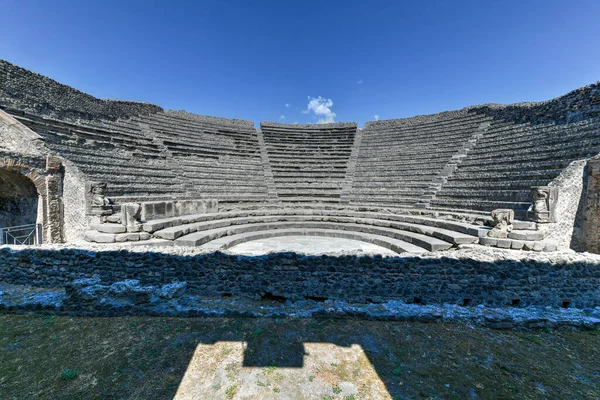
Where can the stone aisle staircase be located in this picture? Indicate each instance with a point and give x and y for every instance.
(351, 169)
(451, 167)
(271, 189)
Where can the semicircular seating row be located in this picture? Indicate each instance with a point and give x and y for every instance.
(399, 233)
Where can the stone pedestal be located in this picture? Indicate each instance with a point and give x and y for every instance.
(544, 201)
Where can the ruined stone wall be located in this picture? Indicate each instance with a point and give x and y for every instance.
(570, 183)
(76, 222)
(590, 208)
(25, 90)
(22, 151)
(574, 106)
(428, 280)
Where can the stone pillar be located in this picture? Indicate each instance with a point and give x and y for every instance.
(591, 208)
(544, 201)
(130, 216)
(52, 202)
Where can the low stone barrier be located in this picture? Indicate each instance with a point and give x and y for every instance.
(360, 279)
(174, 208)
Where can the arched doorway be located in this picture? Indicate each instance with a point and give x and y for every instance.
(19, 199)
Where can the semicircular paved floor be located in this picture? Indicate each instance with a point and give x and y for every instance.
(308, 245)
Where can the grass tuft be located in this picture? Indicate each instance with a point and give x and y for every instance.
(69, 374)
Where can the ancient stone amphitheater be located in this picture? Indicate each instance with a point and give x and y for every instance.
(123, 172)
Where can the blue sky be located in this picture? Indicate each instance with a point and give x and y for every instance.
(309, 60)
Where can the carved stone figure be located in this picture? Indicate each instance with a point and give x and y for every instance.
(503, 219)
(98, 203)
(543, 207)
(130, 216)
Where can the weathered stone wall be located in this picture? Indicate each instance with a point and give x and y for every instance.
(23, 89)
(574, 106)
(75, 220)
(24, 152)
(570, 184)
(590, 208)
(430, 280)
(18, 199)
(165, 209)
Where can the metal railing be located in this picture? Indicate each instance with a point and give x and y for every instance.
(23, 234)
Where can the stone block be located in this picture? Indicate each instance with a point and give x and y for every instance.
(53, 163)
(172, 290)
(524, 225)
(77, 284)
(544, 202)
(130, 216)
(159, 209)
(527, 245)
(144, 235)
(131, 289)
(99, 237)
(551, 246)
(526, 235)
(127, 237)
(169, 209)
(504, 243)
(539, 246)
(517, 244)
(114, 219)
(110, 228)
(488, 241)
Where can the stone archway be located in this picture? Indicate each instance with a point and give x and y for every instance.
(19, 180)
(18, 199)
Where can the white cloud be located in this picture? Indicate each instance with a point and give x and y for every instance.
(360, 82)
(287, 105)
(322, 109)
(376, 117)
(281, 117)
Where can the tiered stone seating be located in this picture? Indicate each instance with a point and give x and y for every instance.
(413, 233)
(117, 152)
(328, 179)
(400, 162)
(509, 158)
(308, 162)
(216, 158)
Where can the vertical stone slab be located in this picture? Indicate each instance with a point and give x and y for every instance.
(544, 202)
(52, 201)
(591, 208)
(130, 216)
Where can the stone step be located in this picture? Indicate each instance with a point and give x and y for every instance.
(538, 133)
(110, 228)
(518, 155)
(444, 223)
(528, 235)
(396, 245)
(202, 237)
(101, 237)
(446, 235)
(517, 244)
(483, 205)
(525, 225)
